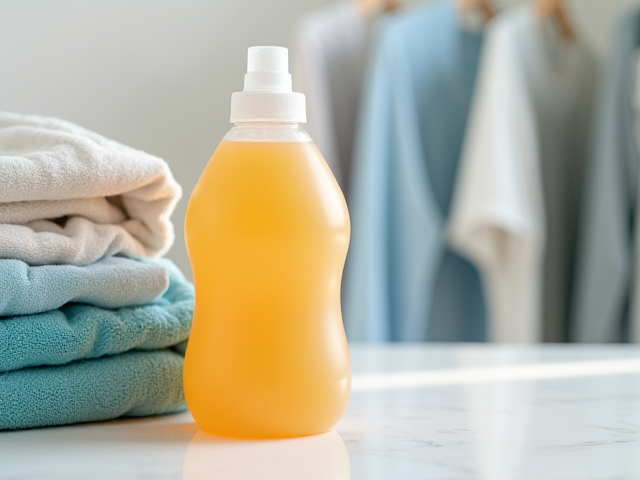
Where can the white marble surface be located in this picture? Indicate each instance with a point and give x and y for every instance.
(417, 412)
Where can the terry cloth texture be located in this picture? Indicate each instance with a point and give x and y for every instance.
(132, 384)
(71, 196)
(112, 282)
(78, 331)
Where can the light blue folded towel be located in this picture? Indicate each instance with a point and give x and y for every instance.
(131, 384)
(112, 282)
(78, 331)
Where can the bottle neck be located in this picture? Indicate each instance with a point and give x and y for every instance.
(268, 132)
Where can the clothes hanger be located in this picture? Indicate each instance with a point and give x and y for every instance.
(369, 8)
(483, 6)
(555, 10)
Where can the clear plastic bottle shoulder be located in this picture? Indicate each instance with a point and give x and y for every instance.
(267, 132)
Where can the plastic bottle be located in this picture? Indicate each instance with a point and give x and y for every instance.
(267, 231)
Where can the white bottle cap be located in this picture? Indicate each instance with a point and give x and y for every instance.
(267, 94)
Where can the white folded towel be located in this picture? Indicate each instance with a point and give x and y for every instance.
(71, 196)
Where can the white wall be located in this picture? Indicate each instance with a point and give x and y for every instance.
(154, 74)
(158, 74)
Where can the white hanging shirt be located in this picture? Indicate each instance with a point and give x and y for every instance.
(517, 198)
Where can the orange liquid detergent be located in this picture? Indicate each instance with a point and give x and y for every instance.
(267, 231)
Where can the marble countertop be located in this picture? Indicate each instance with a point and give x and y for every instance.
(445, 412)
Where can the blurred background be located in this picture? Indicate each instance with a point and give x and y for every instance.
(158, 74)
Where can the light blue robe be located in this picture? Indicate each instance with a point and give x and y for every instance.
(402, 282)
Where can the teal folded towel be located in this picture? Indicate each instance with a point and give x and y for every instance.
(78, 331)
(131, 384)
(112, 282)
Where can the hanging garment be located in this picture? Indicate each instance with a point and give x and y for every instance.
(634, 321)
(402, 283)
(517, 200)
(329, 64)
(605, 269)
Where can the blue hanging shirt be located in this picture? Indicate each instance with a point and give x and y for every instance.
(402, 282)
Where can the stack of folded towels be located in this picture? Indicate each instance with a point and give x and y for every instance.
(93, 325)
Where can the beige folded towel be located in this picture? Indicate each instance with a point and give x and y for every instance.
(71, 196)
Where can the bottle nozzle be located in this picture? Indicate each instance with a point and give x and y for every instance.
(268, 59)
(267, 94)
(267, 70)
